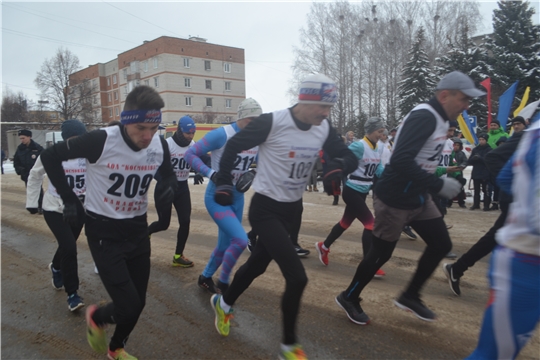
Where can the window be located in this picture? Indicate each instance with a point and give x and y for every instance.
(125, 92)
(207, 65)
(108, 81)
(228, 118)
(145, 66)
(187, 82)
(208, 84)
(227, 67)
(186, 62)
(155, 62)
(94, 83)
(116, 111)
(110, 112)
(134, 67)
(156, 81)
(124, 74)
(188, 100)
(114, 79)
(53, 116)
(227, 86)
(209, 102)
(228, 103)
(109, 96)
(146, 82)
(116, 95)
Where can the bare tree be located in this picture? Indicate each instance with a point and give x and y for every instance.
(69, 98)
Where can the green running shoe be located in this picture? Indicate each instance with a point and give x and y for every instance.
(222, 321)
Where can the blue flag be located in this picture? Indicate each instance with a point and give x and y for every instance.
(505, 104)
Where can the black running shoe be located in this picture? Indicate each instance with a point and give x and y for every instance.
(352, 309)
(301, 252)
(222, 287)
(252, 240)
(207, 284)
(451, 256)
(416, 306)
(409, 233)
(453, 280)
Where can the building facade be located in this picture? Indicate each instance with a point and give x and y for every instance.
(196, 78)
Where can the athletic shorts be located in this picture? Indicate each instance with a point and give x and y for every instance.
(389, 221)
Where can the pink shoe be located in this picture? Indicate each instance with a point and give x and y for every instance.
(323, 254)
(380, 273)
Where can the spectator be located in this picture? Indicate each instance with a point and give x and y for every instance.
(25, 157)
(495, 133)
(480, 173)
(459, 159)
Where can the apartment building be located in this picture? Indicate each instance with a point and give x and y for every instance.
(194, 77)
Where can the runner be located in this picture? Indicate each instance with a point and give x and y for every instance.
(401, 196)
(289, 141)
(121, 163)
(357, 188)
(64, 263)
(179, 143)
(232, 238)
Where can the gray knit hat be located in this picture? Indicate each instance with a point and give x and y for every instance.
(373, 124)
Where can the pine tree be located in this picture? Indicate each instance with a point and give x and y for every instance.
(418, 81)
(465, 56)
(515, 46)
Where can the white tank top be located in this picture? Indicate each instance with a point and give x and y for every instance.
(366, 166)
(75, 170)
(287, 157)
(428, 157)
(180, 166)
(243, 160)
(118, 181)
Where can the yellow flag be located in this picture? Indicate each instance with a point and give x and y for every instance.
(465, 129)
(523, 101)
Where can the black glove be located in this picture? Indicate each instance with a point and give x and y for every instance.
(245, 180)
(224, 195)
(213, 177)
(74, 211)
(198, 179)
(165, 191)
(19, 170)
(32, 210)
(333, 176)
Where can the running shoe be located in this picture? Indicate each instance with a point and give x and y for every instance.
(380, 273)
(296, 353)
(222, 321)
(120, 354)
(301, 252)
(416, 306)
(207, 284)
(451, 256)
(57, 280)
(74, 302)
(223, 287)
(252, 240)
(453, 281)
(96, 336)
(409, 233)
(352, 309)
(181, 261)
(323, 254)
(449, 226)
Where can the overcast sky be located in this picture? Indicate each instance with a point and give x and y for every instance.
(99, 31)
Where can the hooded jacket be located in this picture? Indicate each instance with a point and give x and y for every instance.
(25, 157)
(494, 136)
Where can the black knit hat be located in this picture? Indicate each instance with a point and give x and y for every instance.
(25, 132)
(519, 119)
(483, 136)
(72, 128)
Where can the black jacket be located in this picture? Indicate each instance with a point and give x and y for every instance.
(25, 157)
(479, 171)
(403, 183)
(497, 158)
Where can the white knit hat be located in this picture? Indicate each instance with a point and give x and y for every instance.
(317, 89)
(249, 108)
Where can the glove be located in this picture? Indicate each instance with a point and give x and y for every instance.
(32, 210)
(451, 187)
(165, 191)
(224, 195)
(332, 178)
(213, 177)
(198, 179)
(19, 170)
(74, 212)
(244, 182)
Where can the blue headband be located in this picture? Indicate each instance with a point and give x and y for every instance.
(140, 116)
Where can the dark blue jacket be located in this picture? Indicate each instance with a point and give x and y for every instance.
(479, 171)
(25, 157)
